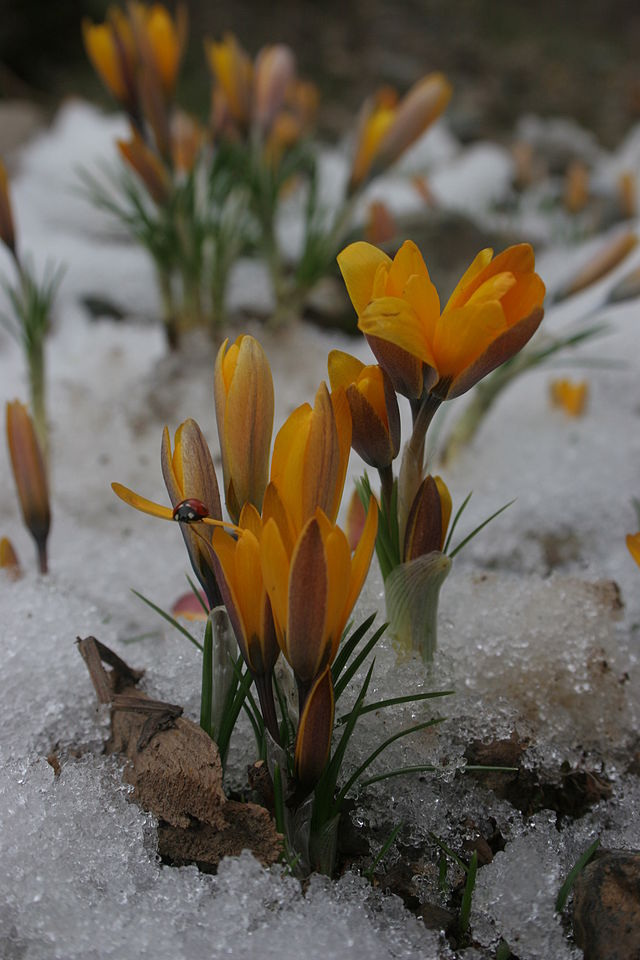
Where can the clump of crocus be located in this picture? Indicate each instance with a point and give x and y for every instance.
(27, 463)
(172, 194)
(289, 578)
(30, 307)
(430, 355)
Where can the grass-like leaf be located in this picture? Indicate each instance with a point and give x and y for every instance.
(578, 867)
(206, 693)
(355, 663)
(465, 907)
(394, 701)
(347, 647)
(479, 528)
(167, 616)
(383, 851)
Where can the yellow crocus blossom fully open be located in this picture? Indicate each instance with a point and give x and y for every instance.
(494, 310)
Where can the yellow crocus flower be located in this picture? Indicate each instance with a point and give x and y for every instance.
(633, 546)
(493, 311)
(111, 49)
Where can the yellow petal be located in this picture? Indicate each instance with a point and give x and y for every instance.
(446, 506)
(343, 369)
(408, 262)
(362, 558)
(462, 335)
(395, 320)
(275, 574)
(313, 740)
(358, 264)
(141, 503)
(480, 261)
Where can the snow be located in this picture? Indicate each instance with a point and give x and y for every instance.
(545, 653)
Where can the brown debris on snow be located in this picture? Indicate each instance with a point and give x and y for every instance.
(175, 771)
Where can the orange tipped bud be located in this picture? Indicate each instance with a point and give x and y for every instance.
(161, 41)
(576, 188)
(243, 392)
(9, 559)
(30, 476)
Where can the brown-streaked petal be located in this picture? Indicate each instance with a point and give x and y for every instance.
(423, 532)
(406, 372)
(148, 166)
(198, 471)
(313, 740)
(370, 439)
(275, 69)
(322, 464)
(497, 353)
(356, 517)
(307, 650)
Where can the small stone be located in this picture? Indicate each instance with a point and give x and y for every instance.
(606, 909)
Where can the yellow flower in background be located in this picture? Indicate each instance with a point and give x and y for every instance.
(187, 138)
(633, 546)
(310, 457)
(571, 396)
(149, 167)
(30, 476)
(375, 416)
(274, 74)
(243, 392)
(387, 129)
(493, 311)
(314, 587)
(162, 40)
(7, 228)
(111, 49)
(233, 72)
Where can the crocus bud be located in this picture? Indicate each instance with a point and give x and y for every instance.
(162, 41)
(570, 396)
(313, 740)
(243, 393)
(189, 473)
(148, 166)
(422, 105)
(7, 229)
(30, 476)
(111, 49)
(233, 72)
(9, 559)
(428, 519)
(375, 417)
(274, 72)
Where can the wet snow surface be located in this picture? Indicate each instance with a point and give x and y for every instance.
(548, 655)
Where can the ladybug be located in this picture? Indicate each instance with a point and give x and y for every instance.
(190, 511)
